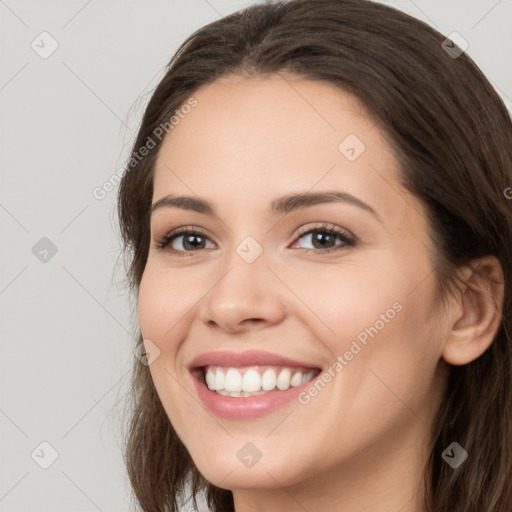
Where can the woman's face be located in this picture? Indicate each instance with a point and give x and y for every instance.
(261, 274)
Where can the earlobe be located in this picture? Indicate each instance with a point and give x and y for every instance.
(477, 313)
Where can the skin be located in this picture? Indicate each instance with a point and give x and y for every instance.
(361, 443)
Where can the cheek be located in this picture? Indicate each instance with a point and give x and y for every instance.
(379, 316)
(344, 300)
(161, 310)
(395, 371)
(161, 304)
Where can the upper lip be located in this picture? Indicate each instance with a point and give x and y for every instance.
(247, 358)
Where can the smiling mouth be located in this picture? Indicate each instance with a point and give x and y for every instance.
(254, 380)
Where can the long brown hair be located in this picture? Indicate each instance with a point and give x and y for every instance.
(453, 136)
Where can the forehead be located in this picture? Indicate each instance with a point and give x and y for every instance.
(271, 136)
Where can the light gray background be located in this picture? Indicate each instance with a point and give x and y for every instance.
(67, 124)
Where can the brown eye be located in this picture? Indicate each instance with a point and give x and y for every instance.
(323, 239)
(190, 240)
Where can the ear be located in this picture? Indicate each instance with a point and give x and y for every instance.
(476, 314)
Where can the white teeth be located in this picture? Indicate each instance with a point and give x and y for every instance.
(210, 379)
(219, 379)
(268, 380)
(283, 381)
(230, 382)
(296, 379)
(251, 381)
(233, 380)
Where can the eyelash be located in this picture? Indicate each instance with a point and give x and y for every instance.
(348, 241)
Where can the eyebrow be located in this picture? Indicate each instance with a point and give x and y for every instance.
(279, 206)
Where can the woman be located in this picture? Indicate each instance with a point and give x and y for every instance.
(316, 211)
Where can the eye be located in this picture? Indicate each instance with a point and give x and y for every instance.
(192, 239)
(324, 238)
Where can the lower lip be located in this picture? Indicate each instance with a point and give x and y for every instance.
(244, 408)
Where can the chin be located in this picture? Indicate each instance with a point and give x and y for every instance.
(247, 479)
(225, 470)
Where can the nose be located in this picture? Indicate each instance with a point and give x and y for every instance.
(246, 296)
